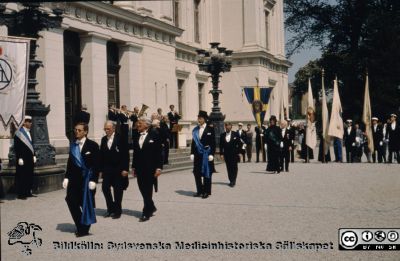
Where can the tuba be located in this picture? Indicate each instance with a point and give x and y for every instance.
(143, 110)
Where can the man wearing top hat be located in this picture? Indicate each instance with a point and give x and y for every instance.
(25, 160)
(80, 179)
(377, 135)
(202, 153)
(349, 139)
(393, 135)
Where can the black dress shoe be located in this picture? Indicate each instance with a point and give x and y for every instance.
(205, 195)
(115, 216)
(154, 210)
(107, 214)
(144, 219)
(21, 197)
(197, 195)
(81, 234)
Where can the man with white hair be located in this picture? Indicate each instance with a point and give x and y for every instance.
(114, 168)
(147, 164)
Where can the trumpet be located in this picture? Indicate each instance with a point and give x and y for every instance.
(143, 110)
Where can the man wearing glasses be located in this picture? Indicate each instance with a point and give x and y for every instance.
(80, 179)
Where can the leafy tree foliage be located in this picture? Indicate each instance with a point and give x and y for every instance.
(354, 36)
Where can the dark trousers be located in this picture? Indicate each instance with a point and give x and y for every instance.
(243, 153)
(23, 180)
(203, 185)
(260, 148)
(74, 201)
(145, 182)
(284, 159)
(273, 159)
(166, 153)
(113, 180)
(381, 158)
(232, 168)
(391, 152)
(249, 151)
(174, 139)
(292, 155)
(337, 148)
(349, 154)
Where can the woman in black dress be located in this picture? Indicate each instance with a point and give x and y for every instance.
(273, 138)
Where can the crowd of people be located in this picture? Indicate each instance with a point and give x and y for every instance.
(150, 139)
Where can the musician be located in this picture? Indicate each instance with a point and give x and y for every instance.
(229, 147)
(82, 115)
(114, 167)
(80, 179)
(173, 117)
(25, 159)
(123, 117)
(146, 165)
(202, 153)
(112, 113)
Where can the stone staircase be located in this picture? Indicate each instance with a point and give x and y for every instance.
(179, 159)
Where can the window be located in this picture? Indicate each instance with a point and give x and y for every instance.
(266, 30)
(180, 96)
(175, 9)
(197, 21)
(201, 88)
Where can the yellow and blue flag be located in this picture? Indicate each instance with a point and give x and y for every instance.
(258, 98)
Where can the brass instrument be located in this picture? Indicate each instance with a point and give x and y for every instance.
(143, 110)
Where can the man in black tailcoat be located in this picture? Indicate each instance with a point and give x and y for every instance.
(229, 148)
(243, 137)
(202, 153)
(349, 139)
(114, 168)
(80, 179)
(286, 146)
(292, 136)
(147, 164)
(273, 138)
(260, 143)
(82, 115)
(25, 160)
(377, 135)
(393, 135)
(173, 117)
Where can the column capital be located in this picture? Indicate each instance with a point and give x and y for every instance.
(132, 45)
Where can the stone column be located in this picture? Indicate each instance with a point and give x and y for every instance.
(51, 83)
(94, 80)
(131, 87)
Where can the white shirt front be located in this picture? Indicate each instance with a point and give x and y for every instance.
(81, 142)
(201, 130)
(110, 141)
(28, 133)
(228, 136)
(348, 130)
(240, 133)
(393, 125)
(375, 125)
(283, 132)
(143, 136)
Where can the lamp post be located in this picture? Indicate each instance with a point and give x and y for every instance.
(28, 22)
(215, 61)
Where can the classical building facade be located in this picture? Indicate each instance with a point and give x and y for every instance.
(143, 52)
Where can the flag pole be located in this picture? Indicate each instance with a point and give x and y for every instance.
(322, 136)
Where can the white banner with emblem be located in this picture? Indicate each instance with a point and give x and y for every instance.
(14, 64)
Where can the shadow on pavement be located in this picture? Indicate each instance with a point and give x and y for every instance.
(221, 183)
(133, 213)
(66, 227)
(100, 211)
(263, 172)
(185, 193)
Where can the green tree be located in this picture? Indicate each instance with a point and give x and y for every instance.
(354, 35)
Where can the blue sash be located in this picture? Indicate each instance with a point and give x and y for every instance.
(88, 215)
(205, 168)
(23, 136)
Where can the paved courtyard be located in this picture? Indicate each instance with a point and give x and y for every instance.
(309, 204)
